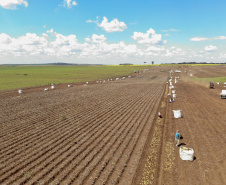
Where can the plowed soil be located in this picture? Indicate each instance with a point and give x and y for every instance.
(110, 133)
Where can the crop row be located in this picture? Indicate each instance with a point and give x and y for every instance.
(91, 144)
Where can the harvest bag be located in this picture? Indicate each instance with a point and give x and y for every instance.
(186, 153)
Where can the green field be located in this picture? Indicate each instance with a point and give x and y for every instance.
(211, 79)
(14, 77)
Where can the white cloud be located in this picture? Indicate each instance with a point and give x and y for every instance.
(89, 21)
(69, 3)
(149, 38)
(168, 53)
(27, 45)
(163, 52)
(177, 51)
(52, 46)
(222, 56)
(12, 4)
(153, 48)
(170, 30)
(173, 30)
(62, 40)
(199, 39)
(206, 38)
(98, 38)
(30, 39)
(74, 3)
(112, 26)
(220, 38)
(87, 39)
(50, 31)
(55, 45)
(5, 39)
(210, 48)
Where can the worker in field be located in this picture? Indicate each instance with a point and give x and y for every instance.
(159, 115)
(171, 99)
(177, 138)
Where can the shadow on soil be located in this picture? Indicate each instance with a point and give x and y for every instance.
(181, 144)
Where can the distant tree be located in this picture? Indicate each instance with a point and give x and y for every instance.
(144, 62)
(152, 62)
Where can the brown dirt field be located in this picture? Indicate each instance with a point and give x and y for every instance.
(202, 127)
(109, 133)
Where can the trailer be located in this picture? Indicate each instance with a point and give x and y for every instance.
(223, 94)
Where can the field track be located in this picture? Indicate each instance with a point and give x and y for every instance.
(202, 127)
(109, 133)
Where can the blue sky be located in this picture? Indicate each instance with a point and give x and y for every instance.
(112, 31)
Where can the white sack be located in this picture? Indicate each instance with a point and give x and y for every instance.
(177, 113)
(186, 153)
